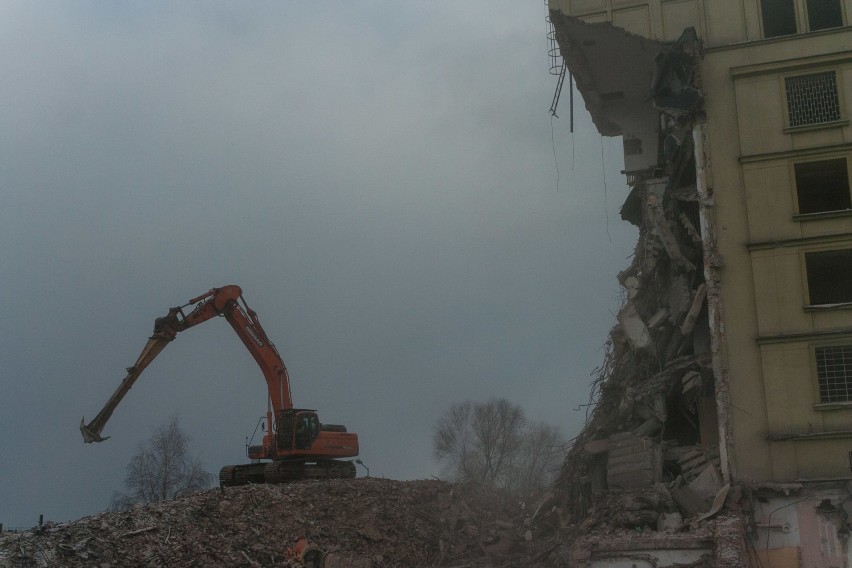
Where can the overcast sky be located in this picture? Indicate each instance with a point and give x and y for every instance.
(379, 178)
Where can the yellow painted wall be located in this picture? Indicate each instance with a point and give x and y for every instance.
(751, 453)
(773, 385)
(635, 19)
(761, 105)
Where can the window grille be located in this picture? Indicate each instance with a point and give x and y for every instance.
(834, 372)
(812, 99)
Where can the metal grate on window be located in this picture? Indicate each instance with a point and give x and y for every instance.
(834, 372)
(812, 99)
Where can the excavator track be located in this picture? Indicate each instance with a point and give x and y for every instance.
(330, 469)
(232, 475)
(280, 471)
(284, 471)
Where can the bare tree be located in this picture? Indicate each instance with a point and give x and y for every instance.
(162, 469)
(538, 458)
(492, 443)
(453, 442)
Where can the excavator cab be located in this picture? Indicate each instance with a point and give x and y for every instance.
(307, 429)
(296, 429)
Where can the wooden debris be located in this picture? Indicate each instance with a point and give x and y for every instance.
(138, 531)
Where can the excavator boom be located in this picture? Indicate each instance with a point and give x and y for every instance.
(226, 301)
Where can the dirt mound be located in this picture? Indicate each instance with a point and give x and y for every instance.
(358, 523)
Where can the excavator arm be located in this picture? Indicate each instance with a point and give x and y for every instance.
(228, 302)
(92, 430)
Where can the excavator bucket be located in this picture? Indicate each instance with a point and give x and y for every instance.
(89, 434)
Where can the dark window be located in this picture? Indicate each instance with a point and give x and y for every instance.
(812, 99)
(824, 14)
(779, 17)
(829, 276)
(303, 431)
(834, 373)
(822, 186)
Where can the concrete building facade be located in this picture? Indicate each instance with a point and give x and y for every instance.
(735, 116)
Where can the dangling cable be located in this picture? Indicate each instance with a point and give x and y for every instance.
(553, 145)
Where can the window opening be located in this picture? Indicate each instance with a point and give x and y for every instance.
(779, 17)
(824, 14)
(822, 186)
(834, 373)
(829, 276)
(812, 99)
(303, 432)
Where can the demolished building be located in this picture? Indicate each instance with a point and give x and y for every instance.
(722, 427)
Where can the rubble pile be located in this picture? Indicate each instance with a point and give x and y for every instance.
(357, 523)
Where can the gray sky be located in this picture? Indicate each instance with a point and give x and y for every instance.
(377, 176)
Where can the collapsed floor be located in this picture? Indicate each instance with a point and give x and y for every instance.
(648, 459)
(654, 416)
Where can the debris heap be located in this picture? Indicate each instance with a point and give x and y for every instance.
(357, 523)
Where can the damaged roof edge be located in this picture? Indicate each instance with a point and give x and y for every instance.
(607, 63)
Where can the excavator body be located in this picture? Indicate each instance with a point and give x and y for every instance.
(297, 443)
(299, 433)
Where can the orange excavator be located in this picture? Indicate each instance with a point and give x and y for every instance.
(297, 443)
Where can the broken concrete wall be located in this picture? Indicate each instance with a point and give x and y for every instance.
(633, 462)
(716, 545)
(795, 524)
